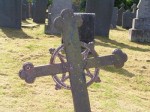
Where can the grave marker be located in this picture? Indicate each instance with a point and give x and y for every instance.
(120, 12)
(10, 13)
(134, 8)
(127, 18)
(103, 10)
(86, 30)
(140, 31)
(55, 10)
(76, 61)
(114, 17)
(39, 11)
(24, 9)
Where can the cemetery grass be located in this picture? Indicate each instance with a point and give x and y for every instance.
(121, 90)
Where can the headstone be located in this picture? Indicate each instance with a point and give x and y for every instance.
(134, 8)
(24, 9)
(30, 9)
(120, 12)
(103, 10)
(114, 17)
(127, 18)
(56, 8)
(140, 31)
(10, 13)
(86, 30)
(39, 11)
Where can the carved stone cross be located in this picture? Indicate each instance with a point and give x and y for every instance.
(68, 24)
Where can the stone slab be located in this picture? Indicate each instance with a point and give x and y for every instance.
(10, 13)
(142, 23)
(127, 19)
(143, 9)
(114, 18)
(103, 10)
(39, 11)
(137, 35)
(140, 31)
(55, 10)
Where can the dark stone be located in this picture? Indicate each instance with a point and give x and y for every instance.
(86, 30)
(103, 10)
(24, 9)
(10, 13)
(127, 18)
(39, 11)
(28, 10)
(114, 17)
(32, 9)
(120, 12)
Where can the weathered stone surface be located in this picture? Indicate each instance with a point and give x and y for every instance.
(68, 23)
(55, 10)
(127, 18)
(140, 31)
(10, 13)
(143, 9)
(134, 8)
(103, 10)
(39, 11)
(120, 12)
(114, 17)
(138, 35)
(24, 9)
(86, 30)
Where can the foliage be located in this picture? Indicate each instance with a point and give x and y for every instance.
(128, 3)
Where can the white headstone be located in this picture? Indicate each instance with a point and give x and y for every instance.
(143, 9)
(140, 31)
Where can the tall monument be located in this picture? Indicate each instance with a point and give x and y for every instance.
(140, 31)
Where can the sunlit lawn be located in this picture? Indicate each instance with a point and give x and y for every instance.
(121, 90)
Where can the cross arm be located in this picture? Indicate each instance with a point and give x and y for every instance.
(29, 72)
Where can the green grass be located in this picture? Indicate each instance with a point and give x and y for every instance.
(121, 90)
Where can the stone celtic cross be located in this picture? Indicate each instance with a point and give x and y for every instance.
(75, 63)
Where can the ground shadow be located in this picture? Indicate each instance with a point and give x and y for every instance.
(15, 33)
(120, 71)
(113, 44)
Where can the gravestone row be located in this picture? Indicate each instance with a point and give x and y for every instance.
(123, 17)
(128, 16)
(102, 10)
(140, 31)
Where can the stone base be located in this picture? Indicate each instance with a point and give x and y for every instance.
(141, 23)
(138, 35)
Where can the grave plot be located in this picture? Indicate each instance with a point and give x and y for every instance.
(75, 62)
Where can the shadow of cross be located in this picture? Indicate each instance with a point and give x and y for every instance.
(68, 24)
